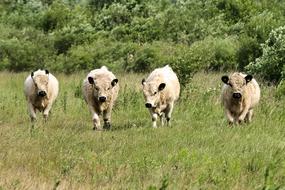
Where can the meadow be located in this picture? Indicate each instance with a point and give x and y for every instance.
(198, 151)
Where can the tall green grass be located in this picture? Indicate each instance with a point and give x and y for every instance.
(198, 151)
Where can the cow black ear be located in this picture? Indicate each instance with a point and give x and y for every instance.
(161, 86)
(143, 81)
(91, 80)
(114, 82)
(47, 72)
(225, 79)
(32, 74)
(248, 78)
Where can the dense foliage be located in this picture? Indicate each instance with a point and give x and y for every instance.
(271, 63)
(136, 35)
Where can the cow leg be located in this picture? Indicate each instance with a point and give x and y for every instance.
(162, 118)
(95, 118)
(229, 116)
(46, 111)
(168, 113)
(153, 118)
(243, 115)
(96, 121)
(249, 116)
(32, 111)
(107, 119)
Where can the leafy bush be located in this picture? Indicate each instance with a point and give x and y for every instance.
(67, 27)
(22, 14)
(138, 36)
(248, 51)
(93, 55)
(56, 16)
(215, 53)
(145, 58)
(20, 54)
(270, 64)
(100, 4)
(116, 14)
(140, 29)
(149, 56)
(259, 26)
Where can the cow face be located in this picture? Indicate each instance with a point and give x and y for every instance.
(237, 84)
(102, 88)
(151, 93)
(41, 79)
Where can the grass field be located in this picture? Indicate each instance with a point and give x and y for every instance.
(199, 150)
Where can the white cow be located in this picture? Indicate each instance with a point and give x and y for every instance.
(41, 90)
(161, 89)
(240, 94)
(100, 91)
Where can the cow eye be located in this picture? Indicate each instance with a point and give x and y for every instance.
(96, 88)
(154, 93)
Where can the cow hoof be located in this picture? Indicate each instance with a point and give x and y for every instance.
(240, 121)
(97, 129)
(107, 126)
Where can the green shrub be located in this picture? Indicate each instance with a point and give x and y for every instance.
(116, 14)
(140, 29)
(63, 42)
(248, 51)
(77, 31)
(215, 53)
(209, 54)
(259, 26)
(138, 36)
(100, 4)
(145, 58)
(24, 50)
(270, 64)
(149, 56)
(89, 56)
(57, 15)
(21, 55)
(184, 69)
(22, 15)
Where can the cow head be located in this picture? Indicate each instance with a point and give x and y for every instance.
(237, 84)
(151, 91)
(41, 79)
(102, 87)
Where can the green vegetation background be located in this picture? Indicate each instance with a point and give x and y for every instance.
(139, 35)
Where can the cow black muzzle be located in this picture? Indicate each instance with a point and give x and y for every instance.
(236, 95)
(102, 99)
(148, 105)
(42, 93)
